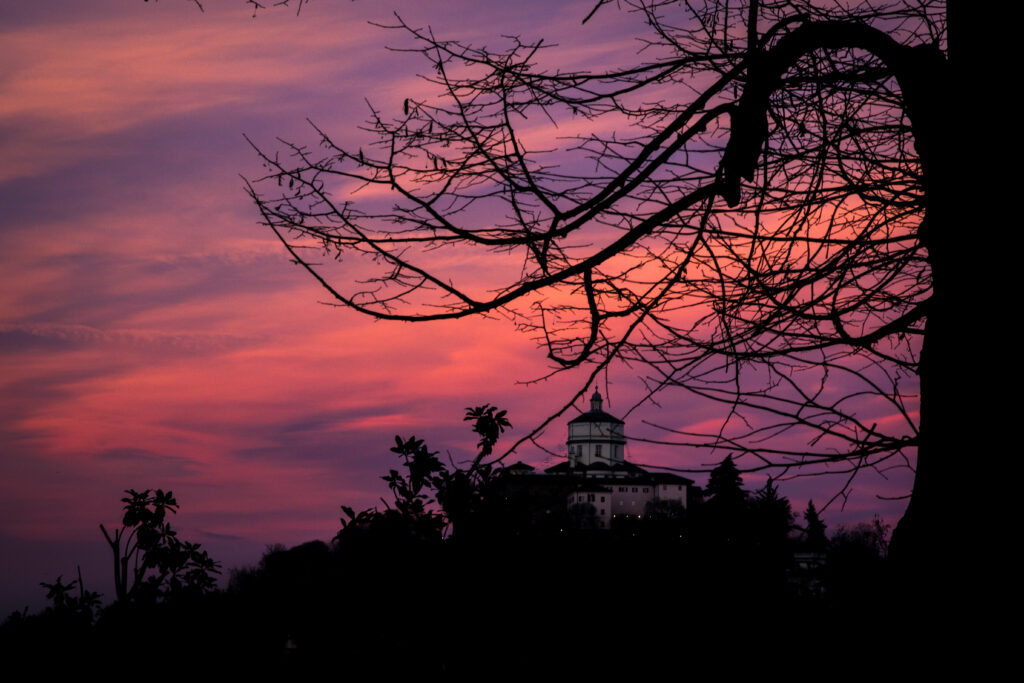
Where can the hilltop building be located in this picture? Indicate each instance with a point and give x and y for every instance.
(596, 482)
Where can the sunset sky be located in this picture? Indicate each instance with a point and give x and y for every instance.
(153, 334)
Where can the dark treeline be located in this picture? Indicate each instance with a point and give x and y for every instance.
(455, 577)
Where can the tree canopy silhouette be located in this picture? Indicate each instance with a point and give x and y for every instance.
(762, 211)
(150, 561)
(430, 498)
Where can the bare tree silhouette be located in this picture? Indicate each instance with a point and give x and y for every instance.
(763, 211)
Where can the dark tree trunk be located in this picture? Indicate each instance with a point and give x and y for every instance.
(944, 543)
(929, 546)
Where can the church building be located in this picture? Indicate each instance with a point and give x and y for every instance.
(602, 486)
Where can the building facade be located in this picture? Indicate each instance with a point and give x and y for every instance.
(603, 487)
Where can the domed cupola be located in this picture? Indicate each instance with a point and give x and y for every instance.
(596, 437)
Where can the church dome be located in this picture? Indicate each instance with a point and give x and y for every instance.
(596, 413)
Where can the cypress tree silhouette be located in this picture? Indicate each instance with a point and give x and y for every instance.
(814, 530)
(725, 482)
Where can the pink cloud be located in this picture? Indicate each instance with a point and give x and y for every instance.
(152, 334)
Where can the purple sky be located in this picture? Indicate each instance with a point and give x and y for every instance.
(152, 334)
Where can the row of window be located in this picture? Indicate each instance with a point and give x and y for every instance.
(590, 498)
(622, 489)
(597, 450)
